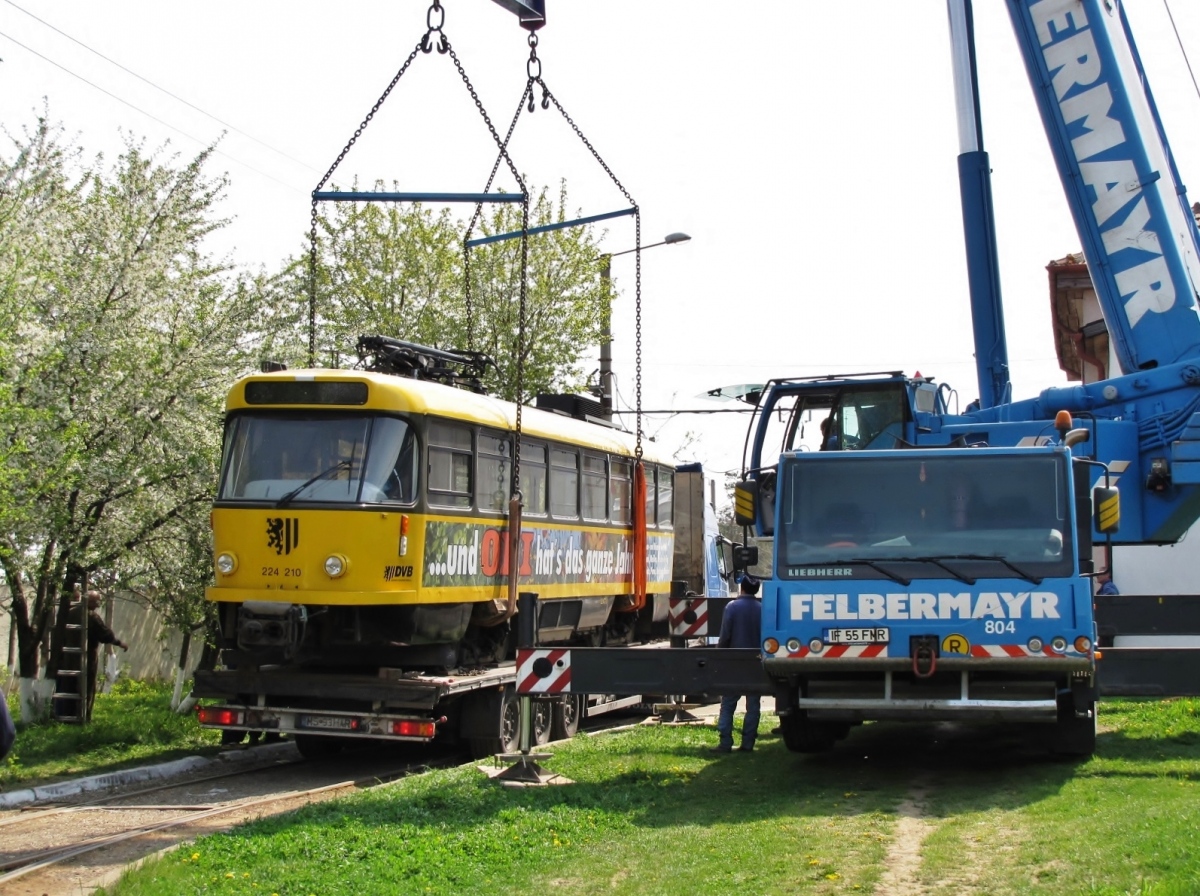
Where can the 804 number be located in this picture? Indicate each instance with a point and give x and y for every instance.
(999, 627)
(281, 572)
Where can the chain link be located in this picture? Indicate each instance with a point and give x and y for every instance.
(467, 250)
(312, 249)
(520, 396)
(547, 98)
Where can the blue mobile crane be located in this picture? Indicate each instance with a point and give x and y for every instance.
(934, 563)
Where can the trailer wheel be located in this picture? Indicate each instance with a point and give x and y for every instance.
(568, 712)
(316, 746)
(491, 722)
(1074, 735)
(802, 735)
(542, 722)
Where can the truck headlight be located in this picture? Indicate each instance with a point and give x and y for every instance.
(226, 563)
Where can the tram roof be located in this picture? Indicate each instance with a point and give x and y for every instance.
(386, 392)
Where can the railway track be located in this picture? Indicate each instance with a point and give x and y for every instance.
(65, 848)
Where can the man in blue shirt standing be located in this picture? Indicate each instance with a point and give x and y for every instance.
(741, 626)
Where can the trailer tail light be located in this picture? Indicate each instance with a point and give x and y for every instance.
(771, 646)
(408, 728)
(1083, 643)
(218, 715)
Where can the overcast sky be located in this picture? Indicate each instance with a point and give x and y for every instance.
(808, 149)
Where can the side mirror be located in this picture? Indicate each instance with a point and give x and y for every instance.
(745, 502)
(744, 557)
(1106, 508)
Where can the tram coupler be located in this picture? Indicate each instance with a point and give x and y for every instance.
(924, 651)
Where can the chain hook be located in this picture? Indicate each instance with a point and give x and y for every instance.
(427, 40)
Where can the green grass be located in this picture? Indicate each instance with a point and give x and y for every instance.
(132, 725)
(653, 811)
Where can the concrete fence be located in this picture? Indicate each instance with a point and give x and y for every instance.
(153, 648)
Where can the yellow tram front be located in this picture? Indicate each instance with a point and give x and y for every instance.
(361, 519)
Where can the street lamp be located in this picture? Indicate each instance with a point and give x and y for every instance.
(606, 374)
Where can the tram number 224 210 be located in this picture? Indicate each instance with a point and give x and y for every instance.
(286, 572)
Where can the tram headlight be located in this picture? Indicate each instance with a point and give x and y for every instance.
(1035, 645)
(226, 563)
(335, 565)
(1059, 644)
(793, 645)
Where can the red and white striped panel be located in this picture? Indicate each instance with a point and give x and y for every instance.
(688, 616)
(543, 671)
(866, 651)
(1016, 650)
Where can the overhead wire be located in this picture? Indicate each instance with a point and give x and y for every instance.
(150, 115)
(1182, 49)
(161, 89)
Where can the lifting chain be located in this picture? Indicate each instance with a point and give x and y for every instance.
(547, 99)
(533, 68)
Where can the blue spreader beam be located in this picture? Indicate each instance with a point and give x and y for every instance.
(496, 238)
(369, 196)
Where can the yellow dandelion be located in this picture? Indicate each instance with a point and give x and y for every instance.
(814, 862)
(195, 857)
(833, 875)
(230, 874)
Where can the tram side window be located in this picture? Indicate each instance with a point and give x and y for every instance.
(564, 483)
(449, 465)
(493, 482)
(651, 499)
(666, 499)
(595, 488)
(621, 490)
(533, 478)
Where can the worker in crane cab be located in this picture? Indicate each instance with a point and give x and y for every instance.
(829, 434)
(740, 627)
(1105, 583)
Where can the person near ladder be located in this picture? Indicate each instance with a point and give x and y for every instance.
(98, 632)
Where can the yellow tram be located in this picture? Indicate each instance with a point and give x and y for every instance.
(362, 522)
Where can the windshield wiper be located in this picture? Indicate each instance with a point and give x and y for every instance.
(287, 499)
(1027, 576)
(937, 561)
(875, 565)
(967, 580)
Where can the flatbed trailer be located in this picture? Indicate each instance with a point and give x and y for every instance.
(324, 710)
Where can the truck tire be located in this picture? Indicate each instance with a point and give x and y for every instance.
(543, 722)
(1074, 735)
(491, 722)
(802, 735)
(566, 717)
(316, 746)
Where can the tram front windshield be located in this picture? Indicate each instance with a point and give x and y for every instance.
(322, 458)
(971, 514)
